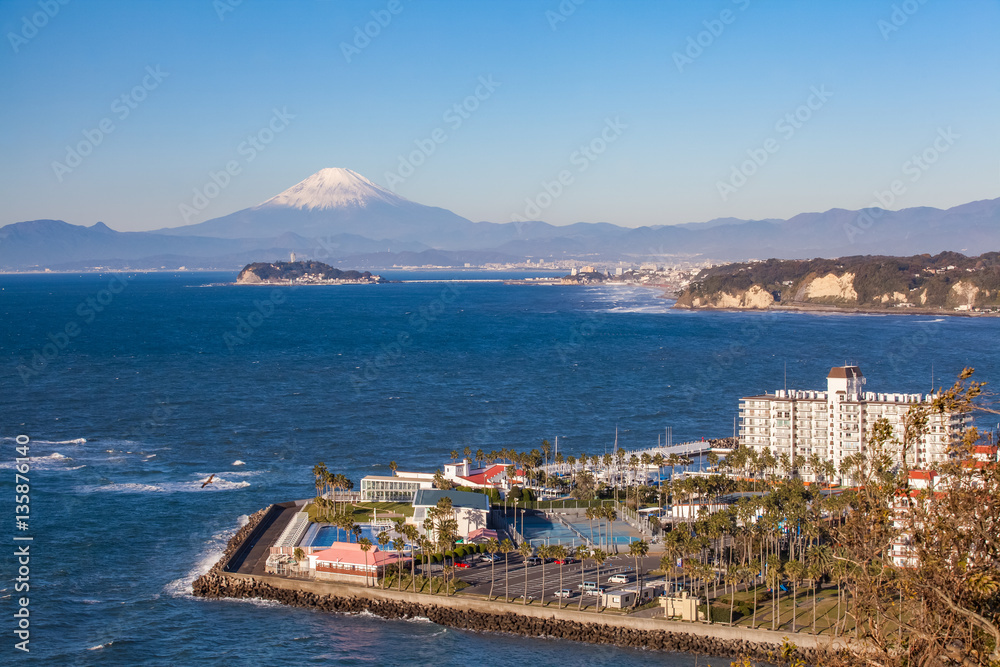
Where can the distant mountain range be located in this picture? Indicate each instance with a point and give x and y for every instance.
(340, 216)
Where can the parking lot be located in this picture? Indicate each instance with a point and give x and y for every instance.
(478, 576)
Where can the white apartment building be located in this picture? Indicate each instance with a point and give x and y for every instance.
(835, 423)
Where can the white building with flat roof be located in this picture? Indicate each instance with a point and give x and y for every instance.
(397, 488)
(835, 423)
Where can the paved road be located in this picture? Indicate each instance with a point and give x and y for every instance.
(256, 560)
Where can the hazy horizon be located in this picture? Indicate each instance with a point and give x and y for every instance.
(484, 110)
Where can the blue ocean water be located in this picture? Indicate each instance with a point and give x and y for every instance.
(134, 391)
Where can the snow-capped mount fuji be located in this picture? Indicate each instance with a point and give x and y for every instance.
(339, 201)
(333, 188)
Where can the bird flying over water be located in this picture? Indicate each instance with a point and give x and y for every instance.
(208, 481)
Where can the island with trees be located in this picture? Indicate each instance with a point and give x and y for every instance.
(308, 272)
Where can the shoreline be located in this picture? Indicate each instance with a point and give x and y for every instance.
(492, 616)
(837, 310)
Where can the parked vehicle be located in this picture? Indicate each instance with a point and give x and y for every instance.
(567, 561)
(596, 592)
(564, 593)
(620, 579)
(534, 560)
(588, 585)
(461, 564)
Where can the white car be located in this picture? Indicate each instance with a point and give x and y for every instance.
(564, 593)
(619, 579)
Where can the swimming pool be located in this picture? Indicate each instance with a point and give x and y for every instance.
(325, 534)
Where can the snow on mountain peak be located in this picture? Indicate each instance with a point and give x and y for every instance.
(332, 187)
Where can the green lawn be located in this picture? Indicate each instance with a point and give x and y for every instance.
(826, 610)
(362, 512)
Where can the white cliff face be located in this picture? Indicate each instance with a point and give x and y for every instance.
(332, 188)
(895, 297)
(964, 293)
(832, 287)
(754, 298)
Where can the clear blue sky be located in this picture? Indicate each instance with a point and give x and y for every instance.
(559, 84)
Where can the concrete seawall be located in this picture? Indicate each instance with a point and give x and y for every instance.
(480, 615)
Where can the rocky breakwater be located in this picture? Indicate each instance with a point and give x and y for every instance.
(217, 584)
(235, 542)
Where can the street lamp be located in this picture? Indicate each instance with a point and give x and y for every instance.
(516, 501)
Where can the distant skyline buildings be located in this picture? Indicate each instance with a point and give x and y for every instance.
(635, 113)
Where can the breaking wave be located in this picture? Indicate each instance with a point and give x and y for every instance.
(216, 547)
(218, 484)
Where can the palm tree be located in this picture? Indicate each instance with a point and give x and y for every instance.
(611, 515)
(447, 571)
(543, 553)
(754, 566)
(559, 553)
(426, 547)
(299, 555)
(393, 467)
(398, 545)
(505, 548)
(366, 546)
(638, 549)
(492, 547)
(590, 514)
(454, 455)
(412, 536)
(774, 579)
(583, 553)
(793, 569)
(705, 573)
(383, 541)
(734, 575)
(525, 551)
(815, 572)
(598, 557)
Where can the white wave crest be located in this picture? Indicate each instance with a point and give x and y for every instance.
(420, 619)
(217, 484)
(54, 461)
(122, 488)
(100, 646)
(257, 602)
(216, 546)
(237, 462)
(32, 441)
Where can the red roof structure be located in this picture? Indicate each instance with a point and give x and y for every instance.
(482, 534)
(486, 477)
(343, 554)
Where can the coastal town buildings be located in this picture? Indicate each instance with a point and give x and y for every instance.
(470, 509)
(835, 424)
(403, 486)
